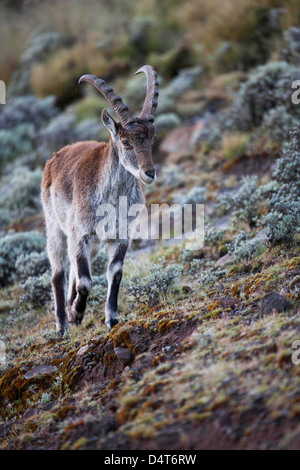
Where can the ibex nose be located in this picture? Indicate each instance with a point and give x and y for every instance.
(150, 173)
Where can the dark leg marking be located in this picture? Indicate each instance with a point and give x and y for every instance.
(114, 290)
(116, 262)
(58, 282)
(80, 300)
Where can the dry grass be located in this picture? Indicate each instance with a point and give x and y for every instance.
(12, 42)
(211, 21)
(234, 145)
(60, 73)
(87, 20)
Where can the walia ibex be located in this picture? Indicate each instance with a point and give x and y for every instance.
(81, 177)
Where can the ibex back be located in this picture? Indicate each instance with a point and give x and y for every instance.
(77, 180)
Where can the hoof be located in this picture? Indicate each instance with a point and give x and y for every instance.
(62, 331)
(74, 317)
(111, 323)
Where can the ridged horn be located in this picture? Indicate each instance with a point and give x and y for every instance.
(120, 108)
(150, 103)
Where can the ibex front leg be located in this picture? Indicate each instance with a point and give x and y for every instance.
(117, 251)
(80, 280)
(57, 252)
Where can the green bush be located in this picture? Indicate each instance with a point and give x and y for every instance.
(243, 202)
(31, 265)
(196, 195)
(20, 192)
(160, 280)
(283, 220)
(37, 290)
(12, 246)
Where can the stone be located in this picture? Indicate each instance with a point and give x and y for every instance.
(40, 370)
(225, 260)
(180, 140)
(124, 355)
(274, 302)
(109, 347)
(82, 350)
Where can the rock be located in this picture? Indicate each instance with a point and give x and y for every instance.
(225, 260)
(29, 412)
(262, 236)
(178, 158)
(124, 355)
(144, 360)
(109, 347)
(82, 350)
(180, 140)
(40, 370)
(222, 223)
(186, 289)
(274, 302)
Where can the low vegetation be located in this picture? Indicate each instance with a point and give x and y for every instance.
(204, 355)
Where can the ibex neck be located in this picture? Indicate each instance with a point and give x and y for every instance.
(118, 178)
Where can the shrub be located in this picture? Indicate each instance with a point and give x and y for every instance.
(59, 74)
(37, 290)
(287, 169)
(89, 129)
(12, 246)
(89, 107)
(31, 265)
(195, 266)
(283, 220)
(16, 142)
(244, 247)
(210, 276)
(278, 123)
(20, 192)
(159, 281)
(172, 178)
(268, 87)
(196, 195)
(243, 202)
(291, 47)
(27, 109)
(58, 133)
(263, 101)
(99, 290)
(213, 236)
(99, 263)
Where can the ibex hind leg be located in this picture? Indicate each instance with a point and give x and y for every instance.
(58, 257)
(117, 251)
(72, 292)
(80, 283)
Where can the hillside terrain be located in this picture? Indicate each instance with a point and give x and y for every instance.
(205, 353)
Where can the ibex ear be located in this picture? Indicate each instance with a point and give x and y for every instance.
(109, 123)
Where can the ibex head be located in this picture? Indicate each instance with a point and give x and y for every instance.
(133, 135)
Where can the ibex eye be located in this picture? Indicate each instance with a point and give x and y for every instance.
(125, 142)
